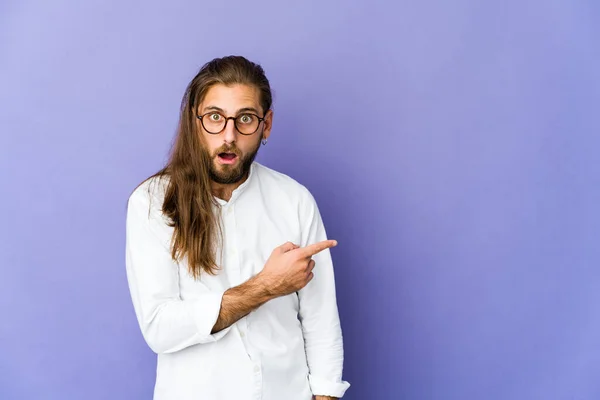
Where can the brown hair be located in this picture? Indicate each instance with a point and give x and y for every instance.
(188, 198)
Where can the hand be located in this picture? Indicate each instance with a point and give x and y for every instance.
(325, 398)
(289, 268)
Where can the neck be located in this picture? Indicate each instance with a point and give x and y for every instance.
(225, 190)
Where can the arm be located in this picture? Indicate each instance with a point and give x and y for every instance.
(239, 301)
(319, 313)
(168, 323)
(287, 270)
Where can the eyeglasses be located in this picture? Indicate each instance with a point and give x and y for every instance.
(214, 122)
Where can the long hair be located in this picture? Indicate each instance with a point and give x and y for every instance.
(188, 201)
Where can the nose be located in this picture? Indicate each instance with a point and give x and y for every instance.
(230, 132)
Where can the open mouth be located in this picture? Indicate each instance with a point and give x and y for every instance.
(227, 158)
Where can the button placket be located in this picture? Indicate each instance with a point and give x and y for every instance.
(232, 253)
(258, 381)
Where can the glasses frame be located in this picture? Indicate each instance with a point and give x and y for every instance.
(201, 118)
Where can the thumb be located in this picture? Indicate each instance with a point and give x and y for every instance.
(287, 247)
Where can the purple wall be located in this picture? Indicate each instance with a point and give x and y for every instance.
(452, 147)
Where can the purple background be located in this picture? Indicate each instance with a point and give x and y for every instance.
(452, 147)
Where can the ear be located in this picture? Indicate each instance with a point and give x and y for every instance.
(268, 123)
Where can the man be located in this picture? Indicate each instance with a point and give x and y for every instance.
(227, 260)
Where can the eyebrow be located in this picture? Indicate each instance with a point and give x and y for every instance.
(241, 110)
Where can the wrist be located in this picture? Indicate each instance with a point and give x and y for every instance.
(263, 287)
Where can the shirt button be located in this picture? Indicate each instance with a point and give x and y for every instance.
(257, 369)
(242, 334)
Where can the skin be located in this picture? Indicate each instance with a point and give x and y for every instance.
(289, 268)
(230, 100)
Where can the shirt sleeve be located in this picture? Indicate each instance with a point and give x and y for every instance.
(168, 323)
(319, 313)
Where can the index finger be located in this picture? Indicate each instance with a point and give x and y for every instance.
(315, 248)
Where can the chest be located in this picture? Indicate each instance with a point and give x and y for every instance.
(250, 231)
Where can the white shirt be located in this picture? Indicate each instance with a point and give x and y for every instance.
(289, 348)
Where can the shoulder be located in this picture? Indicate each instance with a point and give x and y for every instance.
(282, 184)
(145, 219)
(149, 194)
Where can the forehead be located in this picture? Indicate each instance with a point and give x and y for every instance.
(231, 98)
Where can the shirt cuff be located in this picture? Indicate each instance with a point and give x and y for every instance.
(205, 312)
(324, 387)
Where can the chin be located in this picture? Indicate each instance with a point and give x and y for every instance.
(226, 174)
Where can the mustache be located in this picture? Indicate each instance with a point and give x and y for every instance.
(227, 149)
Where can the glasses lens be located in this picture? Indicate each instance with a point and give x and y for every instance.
(247, 123)
(213, 122)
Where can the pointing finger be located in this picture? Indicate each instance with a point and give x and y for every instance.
(315, 248)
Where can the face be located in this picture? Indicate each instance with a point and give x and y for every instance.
(231, 152)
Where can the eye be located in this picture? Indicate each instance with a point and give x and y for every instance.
(215, 117)
(246, 118)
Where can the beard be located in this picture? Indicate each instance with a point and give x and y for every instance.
(228, 174)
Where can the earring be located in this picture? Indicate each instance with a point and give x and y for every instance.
(264, 141)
